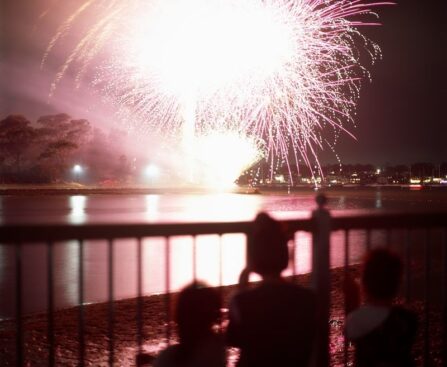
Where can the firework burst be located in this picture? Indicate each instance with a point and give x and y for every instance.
(274, 71)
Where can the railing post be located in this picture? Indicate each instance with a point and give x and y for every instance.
(111, 300)
(321, 279)
(139, 296)
(81, 320)
(444, 298)
(50, 306)
(18, 315)
(167, 297)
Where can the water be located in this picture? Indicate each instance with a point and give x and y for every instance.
(172, 207)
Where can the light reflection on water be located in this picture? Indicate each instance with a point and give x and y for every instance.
(231, 247)
(77, 203)
(151, 212)
(66, 280)
(378, 200)
(81, 209)
(208, 250)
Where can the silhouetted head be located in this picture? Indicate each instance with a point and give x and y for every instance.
(382, 272)
(267, 247)
(198, 308)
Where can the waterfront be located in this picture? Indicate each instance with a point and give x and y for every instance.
(174, 207)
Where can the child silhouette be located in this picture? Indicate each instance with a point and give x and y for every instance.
(383, 333)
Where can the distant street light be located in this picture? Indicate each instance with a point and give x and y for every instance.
(77, 170)
(152, 172)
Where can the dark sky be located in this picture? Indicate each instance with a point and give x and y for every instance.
(401, 113)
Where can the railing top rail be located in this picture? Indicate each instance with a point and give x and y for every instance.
(15, 233)
(61, 232)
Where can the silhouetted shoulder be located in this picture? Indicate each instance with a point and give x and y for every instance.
(382, 335)
(364, 320)
(276, 300)
(275, 318)
(404, 321)
(208, 353)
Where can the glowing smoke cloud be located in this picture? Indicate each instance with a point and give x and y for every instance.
(272, 71)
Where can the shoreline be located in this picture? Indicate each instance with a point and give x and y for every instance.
(77, 189)
(154, 321)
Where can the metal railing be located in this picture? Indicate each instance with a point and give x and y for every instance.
(320, 225)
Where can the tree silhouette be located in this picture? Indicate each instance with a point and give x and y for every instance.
(16, 137)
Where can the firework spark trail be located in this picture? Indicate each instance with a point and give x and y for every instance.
(279, 71)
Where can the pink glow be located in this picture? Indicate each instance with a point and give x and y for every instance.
(277, 70)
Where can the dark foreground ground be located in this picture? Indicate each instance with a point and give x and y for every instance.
(154, 318)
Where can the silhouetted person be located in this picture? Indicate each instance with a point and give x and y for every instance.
(198, 309)
(273, 324)
(383, 333)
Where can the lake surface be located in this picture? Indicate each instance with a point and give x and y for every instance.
(219, 260)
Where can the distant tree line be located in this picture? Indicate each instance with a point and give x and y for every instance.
(44, 151)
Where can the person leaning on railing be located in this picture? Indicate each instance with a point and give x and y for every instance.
(273, 324)
(382, 333)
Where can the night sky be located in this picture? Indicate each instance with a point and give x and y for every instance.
(401, 114)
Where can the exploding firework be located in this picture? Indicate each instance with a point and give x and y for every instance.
(274, 72)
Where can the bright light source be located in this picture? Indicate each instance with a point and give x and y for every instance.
(152, 171)
(77, 169)
(220, 157)
(378, 171)
(280, 70)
